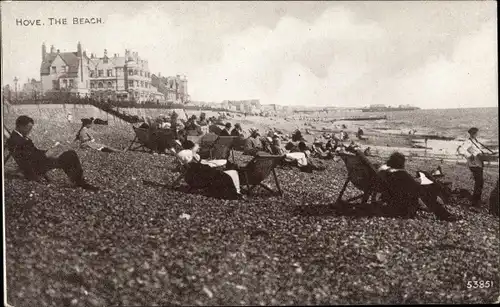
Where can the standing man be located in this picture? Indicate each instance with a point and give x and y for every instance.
(471, 149)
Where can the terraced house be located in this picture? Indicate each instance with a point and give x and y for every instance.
(64, 71)
(122, 78)
(114, 77)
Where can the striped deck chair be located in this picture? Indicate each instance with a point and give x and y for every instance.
(363, 175)
(257, 170)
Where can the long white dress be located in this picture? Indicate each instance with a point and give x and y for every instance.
(87, 141)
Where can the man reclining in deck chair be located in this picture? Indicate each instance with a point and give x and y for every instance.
(405, 191)
(206, 173)
(35, 162)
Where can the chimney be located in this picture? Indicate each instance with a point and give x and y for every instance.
(85, 53)
(92, 55)
(57, 51)
(44, 51)
(105, 52)
(52, 49)
(79, 50)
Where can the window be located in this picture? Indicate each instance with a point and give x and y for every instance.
(91, 74)
(131, 83)
(71, 83)
(142, 83)
(110, 73)
(92, 85)
(135, 72)
(140, 73)
(63, 68)
(130, 72)
(100, 85)
(65, 83)
(54, 70)
(110, 84)
(54, 84)
(101, 72)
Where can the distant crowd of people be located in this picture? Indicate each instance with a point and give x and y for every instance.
(34, 162)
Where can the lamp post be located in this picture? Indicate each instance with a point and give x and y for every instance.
(15, 85)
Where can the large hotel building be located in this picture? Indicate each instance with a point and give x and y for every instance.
(125, 78)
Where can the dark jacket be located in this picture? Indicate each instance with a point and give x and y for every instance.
(235, 132)
(224, 132)
(31, 160)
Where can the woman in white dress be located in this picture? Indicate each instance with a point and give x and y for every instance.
(87, 140)
(207, 173)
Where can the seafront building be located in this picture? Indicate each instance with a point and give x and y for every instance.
(119, 78)
(31, 89)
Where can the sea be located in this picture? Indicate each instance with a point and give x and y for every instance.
(443, 122)
(449, 122)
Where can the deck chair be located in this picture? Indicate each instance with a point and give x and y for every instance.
(142, 140)
(206, 143)
(222, 148)
(363, 175)
(6, 136)
(257, 170)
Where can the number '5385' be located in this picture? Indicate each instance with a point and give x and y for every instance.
(481, 284)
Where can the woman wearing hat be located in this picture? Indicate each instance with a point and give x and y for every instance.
(87, 141)
(472, 150)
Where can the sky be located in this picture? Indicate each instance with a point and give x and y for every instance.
(346, 54)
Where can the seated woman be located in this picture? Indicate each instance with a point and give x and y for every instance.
(302, 159)
(404, 192)
(87, 141)
(207, 174)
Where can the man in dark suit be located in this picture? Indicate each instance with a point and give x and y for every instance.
(226, 130)
(34, 162)
(405, 191)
